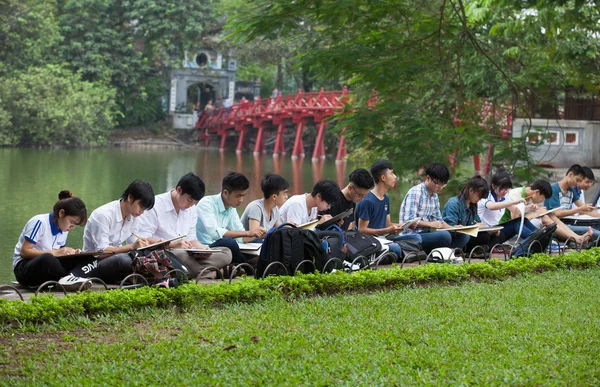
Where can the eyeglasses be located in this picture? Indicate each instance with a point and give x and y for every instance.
(358, 194)
(439, 184)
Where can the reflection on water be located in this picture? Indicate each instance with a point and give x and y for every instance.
(30, 180)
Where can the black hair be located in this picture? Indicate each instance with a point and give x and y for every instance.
(72, 206)
(589, 174)
(361, 178)
(501, 179)
(329, 190)
(544, 187)
(477, 184)
(192, 185)
(439, 172)
(140, 190)
(235, 181)
(576, 169)
(273, 184)
(378, 169)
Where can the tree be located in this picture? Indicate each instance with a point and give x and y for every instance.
(128, 43)
(433, 66)
(63, 110)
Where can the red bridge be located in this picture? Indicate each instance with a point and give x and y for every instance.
(262, 115)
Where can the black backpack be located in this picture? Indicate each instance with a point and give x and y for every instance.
(412, 250)
(537, 242)
(359, 244)
(290, 246)
(333, 241)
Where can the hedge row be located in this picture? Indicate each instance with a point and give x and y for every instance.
(47, 308)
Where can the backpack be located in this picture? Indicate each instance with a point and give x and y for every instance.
(412, 250)
(332, 240)
(359, 244)
(290, 246)
(537, 242)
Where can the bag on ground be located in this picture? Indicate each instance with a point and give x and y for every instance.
(333, 241)
(359, 244)
(537, 242)
(153, 265)
(290, 246)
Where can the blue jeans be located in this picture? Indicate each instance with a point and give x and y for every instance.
(580, 230)
(395, 247)
(432, 240)
(511, 228)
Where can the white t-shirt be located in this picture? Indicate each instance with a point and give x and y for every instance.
(106, 227)
(163, 222)
(256, 210)
(489, 217)
(43, 232)
(294, 210)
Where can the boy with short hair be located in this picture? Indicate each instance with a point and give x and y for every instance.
(111, 225)
(174, 214)
(304, 208)
(564, 195)
(264, 213)
(422, 201)
(360, 182)
(373, 212)
(218, 222)
(586, 184)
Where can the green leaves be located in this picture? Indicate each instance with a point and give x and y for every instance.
(64, 110)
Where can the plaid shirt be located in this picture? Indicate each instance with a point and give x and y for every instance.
(418, 203)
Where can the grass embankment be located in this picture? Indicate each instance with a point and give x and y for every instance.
(536, 329)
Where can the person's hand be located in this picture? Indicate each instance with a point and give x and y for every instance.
(438, 224)
(257, 233)
(324, 218)
(497, 233)
(532, 207)
(141, 242)
(180, 244)
(66, 251)
(587, 208)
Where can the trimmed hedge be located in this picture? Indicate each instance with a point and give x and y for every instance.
(48, 308)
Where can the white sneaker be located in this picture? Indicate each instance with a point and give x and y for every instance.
(72, 283)
(350, 266)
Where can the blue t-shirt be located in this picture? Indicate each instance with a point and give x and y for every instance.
(559, 199)
(373, 210)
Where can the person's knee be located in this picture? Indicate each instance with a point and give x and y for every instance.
(224, 258)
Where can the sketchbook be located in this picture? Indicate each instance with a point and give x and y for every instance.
(309, 225)
(404, 226)
(160, 244)
(548, 212)
(250, 246)
(336, 218)
(490, 229)
(83, 254)
(197, 251)
(469, 230)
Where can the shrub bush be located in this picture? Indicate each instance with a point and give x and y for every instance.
(48, 308)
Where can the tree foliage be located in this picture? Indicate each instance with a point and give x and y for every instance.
(422, 72)
(63, 110)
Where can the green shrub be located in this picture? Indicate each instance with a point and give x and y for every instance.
(47, 308)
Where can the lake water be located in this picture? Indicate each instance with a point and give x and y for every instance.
(30, 180)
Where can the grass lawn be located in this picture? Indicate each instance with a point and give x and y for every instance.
(541, 329)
